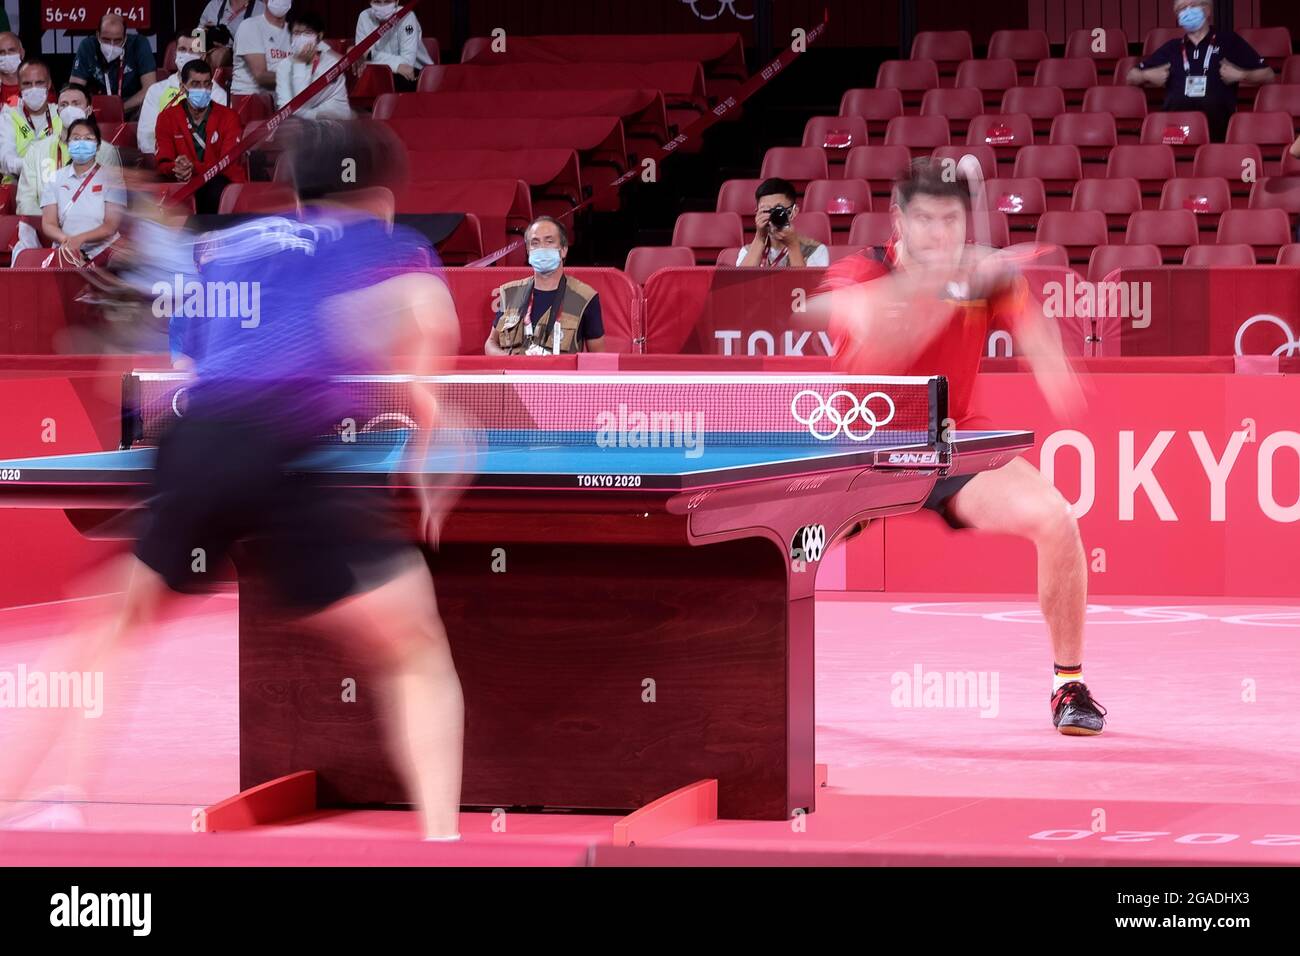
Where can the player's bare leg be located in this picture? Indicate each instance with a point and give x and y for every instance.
(94, 647)
(1016, 499)
(420, 693)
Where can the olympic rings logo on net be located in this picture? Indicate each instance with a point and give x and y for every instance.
(844, 411)
(1289, 344)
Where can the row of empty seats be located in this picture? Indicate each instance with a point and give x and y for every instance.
(644, 261)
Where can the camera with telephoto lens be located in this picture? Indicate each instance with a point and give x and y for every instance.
(778, 217)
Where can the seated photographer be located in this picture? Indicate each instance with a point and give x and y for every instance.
(775, 243)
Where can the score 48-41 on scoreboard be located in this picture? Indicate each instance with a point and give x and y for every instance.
(83, 16)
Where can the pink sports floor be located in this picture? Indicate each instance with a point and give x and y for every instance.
(1198, 764)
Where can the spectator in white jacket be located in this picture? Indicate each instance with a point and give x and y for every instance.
(401, 49)
(162, 95)
(311, 57)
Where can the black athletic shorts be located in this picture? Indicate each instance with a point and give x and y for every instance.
(942, 493)
(222, 482)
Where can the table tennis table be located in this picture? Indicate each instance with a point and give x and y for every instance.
(631, 610)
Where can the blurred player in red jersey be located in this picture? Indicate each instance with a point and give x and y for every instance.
(925, 310)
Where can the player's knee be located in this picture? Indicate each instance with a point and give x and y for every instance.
(1052, 520)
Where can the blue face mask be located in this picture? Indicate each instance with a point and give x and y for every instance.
(544, 260)
(82, 150)
(199, 99)
(1192, 19)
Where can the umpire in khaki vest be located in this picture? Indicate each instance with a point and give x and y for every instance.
(548, 313)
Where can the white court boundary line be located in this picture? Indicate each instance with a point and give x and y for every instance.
(1157, 614)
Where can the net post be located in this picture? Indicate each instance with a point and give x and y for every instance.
(130, 407)
(938, 389)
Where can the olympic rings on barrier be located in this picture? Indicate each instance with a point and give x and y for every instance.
(1290, 345)
(843, 417)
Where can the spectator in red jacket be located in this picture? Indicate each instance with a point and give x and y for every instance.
(195, 133)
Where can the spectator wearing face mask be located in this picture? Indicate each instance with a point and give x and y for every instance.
(401, 49)
(47, 156)
(261, 44)
(1202, 69)
(83, 202)
(26, 121)
(114, 64)
(195, 133)
(230, 13)
(163, 94)
(312, 56)
(548, 313)
(11, 55)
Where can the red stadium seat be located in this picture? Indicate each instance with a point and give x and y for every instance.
(1126, 104)
(642, 261)
(871, 229)
(257, 197)
(946, 48)
(1149, 165)
(984, 155)
(107, 109)
(1279, 98)
(1272, 132)
(375, 80)
(1106, 259)
(1122, 69)
(1272, 43)
(1173, 230)
(877, 107)
(880, 166)
(8, 236)
(1265, 230)
(1241, 165)
(1022, 201)
(798, 164)
(994, 228)
(1234, 254)
(1077, 232)
(836, 135)
(254, 106)
(1277, 192)
(1041, 254)
(120, 135)
(1025, 47)
(1207, 198)
(737, 195)
(1116, 198)
(843, 252)
(1073, 76)
(920, 134)
(707, 232)
(910, 77)
(1291, 70)
(1105, 50)
(814, 225)
(727, 257)
(1093, 133)
(840, 199)
(959, 106)
(433, 49)
(1005, 134)
(991, 77)
(1158, 37)
(1059, 167)
(1042, 104)
(31, 259)
(1290, 165)
(1181, 131)
(1289, 255)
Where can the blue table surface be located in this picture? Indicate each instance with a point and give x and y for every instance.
(512, 458)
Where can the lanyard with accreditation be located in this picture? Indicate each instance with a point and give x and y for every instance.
(1196, 85)
(84, 183)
